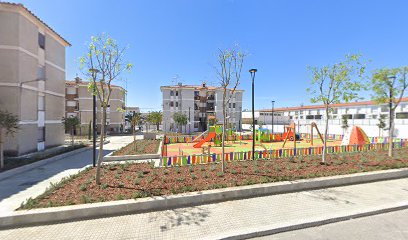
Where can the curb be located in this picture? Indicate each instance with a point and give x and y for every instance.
(104, 209)
(24, 168)
(293, 227)
(109, 157)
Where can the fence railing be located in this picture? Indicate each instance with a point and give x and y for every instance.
(276, 153)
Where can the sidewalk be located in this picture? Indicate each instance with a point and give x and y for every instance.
(18, 188)
(232, 218)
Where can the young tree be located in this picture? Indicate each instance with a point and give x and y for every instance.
(103, 64)
(230, 62)
(333, 84)
(156, 118)
(180, 119)
(389, 86)
(8, 125)
(344, 123)
(70, 124)
(381, 124)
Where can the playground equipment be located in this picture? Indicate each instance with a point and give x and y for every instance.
(290, 133)
(355, 136)
(313, 125)
(211, 135)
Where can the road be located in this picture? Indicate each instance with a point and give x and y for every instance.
(393, 225)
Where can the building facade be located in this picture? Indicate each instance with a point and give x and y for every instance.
(32, 79)
(365, 114)
(79, 102)
(198, 103)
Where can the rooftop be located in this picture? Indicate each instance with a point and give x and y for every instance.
(350, 104)
(21, 7)
(195, 87)
(79, 82)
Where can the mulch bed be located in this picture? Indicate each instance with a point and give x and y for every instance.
(125, 181)
(139, 147)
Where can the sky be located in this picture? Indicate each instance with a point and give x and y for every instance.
(181, 38)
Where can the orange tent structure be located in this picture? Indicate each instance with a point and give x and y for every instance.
(355, 136)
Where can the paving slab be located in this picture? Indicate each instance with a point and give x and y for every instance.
(232, 219)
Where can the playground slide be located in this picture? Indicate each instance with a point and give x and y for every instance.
(196, 139)
(208, 138)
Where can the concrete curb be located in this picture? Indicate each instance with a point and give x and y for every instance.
(24, 168)
(292, 227)
(104, 209)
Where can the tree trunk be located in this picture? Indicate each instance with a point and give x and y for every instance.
(325, 135)
(391, 132)
(224, 113)
(72, 136)
(1, 149)
(101, 140)
(157, 126)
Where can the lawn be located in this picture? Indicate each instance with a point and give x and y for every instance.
(139, 147)
(126, 181)
(175, 149)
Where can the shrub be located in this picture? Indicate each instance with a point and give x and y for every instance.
(220, 174)
(82, 187)
(104, 185)
(137, 181)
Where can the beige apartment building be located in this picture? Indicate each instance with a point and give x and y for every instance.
(32, 79)
(78, 102)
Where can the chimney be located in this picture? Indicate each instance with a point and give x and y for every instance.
(204, 85)
(77, 80)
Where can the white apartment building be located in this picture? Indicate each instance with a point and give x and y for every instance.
(32, 79)
(198, 103)
(364, 114)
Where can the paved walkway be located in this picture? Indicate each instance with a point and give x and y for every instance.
(18, 188)
(231, 218)
(393, 225)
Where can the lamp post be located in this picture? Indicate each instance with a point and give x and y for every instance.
(94, 73)
(253, 71)
(273, 105)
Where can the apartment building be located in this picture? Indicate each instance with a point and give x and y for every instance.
(79, 102)
(32, 79)
(198, 103)
(365, 114)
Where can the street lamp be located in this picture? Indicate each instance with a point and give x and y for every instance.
(94, 73)
(253, 71)
(273, 105)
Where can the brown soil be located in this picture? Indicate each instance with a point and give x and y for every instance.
(127, 181)
(139, 147)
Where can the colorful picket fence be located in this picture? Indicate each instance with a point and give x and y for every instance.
(276, 153)
(190, 139)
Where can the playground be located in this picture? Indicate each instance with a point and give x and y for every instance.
(209, 142)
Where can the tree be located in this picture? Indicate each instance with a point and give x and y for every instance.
(103, 64)
(135, 119)
(381, 124)
(260, 124)
(389, 86)
(156, 118)
(344, 123)
(230, 62)
(8, 125)
(70, 124)
(180, 119)
(332, 84)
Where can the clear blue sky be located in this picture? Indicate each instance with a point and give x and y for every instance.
(182, 37)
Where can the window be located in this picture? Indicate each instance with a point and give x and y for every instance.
(71, 90)
(309, 117)
(402, 115)
(41, 134)
(334, 110)
(229, 105)
(233, 105)
(347, 116)
(171, 93)
(171, 104)
(41, 103)
(176, 93)
(359, 116)
(318, 116)
(374, 116)
(176, 104)
(384, 108)
(71, 104)
(41, 73)
(41, 40)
